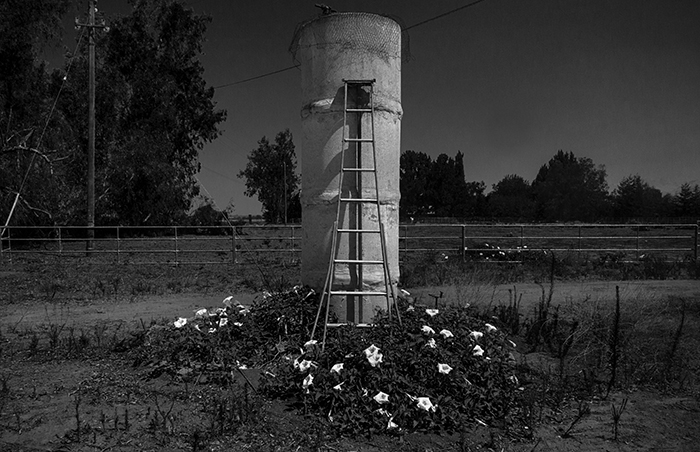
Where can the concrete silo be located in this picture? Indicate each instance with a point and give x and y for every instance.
(330, 49)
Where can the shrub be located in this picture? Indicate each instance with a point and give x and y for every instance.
(218, 339)
(432, 372)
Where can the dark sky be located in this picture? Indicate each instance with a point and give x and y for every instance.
(507, 82)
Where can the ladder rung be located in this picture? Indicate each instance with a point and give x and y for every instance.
(361, 325)
(360, 81)
(359, 170)
(358, 292)
(359, 110)
(358, 140)
(357, 261)
(376, 231)
(358, 200)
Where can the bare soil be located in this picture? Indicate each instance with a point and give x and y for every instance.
(44, 396)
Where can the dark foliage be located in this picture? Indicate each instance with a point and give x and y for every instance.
(438, 188)
(569, 188)
(154, 113)
(271, 174)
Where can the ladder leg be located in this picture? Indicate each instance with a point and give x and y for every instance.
(327, 286)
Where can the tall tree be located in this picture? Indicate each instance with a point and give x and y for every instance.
(687, 201)
(473, 202)
(413, 181)
(154, 115)
(163, 108)
(271, 174)
(511, 198)
(635, 198)
(568, 188)
(469, 200)
(445, 187)
(438, 187)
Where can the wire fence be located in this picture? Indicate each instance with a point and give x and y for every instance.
(513, 242)
(202, 245)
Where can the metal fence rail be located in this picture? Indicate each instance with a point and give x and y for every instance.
(512, 241)
(153, 245)
(240, 244)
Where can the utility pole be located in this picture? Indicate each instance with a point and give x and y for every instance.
(91, 26)
(284, 163)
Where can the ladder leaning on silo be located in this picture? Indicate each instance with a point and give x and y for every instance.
(359, 202)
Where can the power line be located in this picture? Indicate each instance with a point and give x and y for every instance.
(439, 16)
(257, 77)
(222, 175)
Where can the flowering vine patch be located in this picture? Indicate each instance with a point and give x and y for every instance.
(390, 378)
(397, 378)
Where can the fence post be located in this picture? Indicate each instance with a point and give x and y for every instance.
(177, 258)
(60, 241)
(579, 240)
(695, 247)
(522, 233)
(464, 242)
(291, 242)
(405, 238)
(637, 242)
(9, 244)
(119, 258)
(233, 244)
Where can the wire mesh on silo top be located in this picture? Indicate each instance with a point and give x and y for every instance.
(350, 30)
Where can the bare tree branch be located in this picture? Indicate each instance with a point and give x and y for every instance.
(42, 155)
(32, 208)
(23, 148)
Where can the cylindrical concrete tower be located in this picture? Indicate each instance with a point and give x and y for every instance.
(330, 49)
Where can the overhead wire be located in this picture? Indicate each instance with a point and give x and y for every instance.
(440, 16)
(221, 174)
(267, 74)
(257, 77)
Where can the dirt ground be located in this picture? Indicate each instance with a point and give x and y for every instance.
(119, 409)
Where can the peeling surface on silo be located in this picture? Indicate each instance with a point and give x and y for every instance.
(330, 49)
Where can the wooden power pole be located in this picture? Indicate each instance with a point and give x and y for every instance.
(91, 26)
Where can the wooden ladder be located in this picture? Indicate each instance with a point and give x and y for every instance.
(353, 202)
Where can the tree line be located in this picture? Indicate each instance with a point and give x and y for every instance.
(567, 188)
(154, 114)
